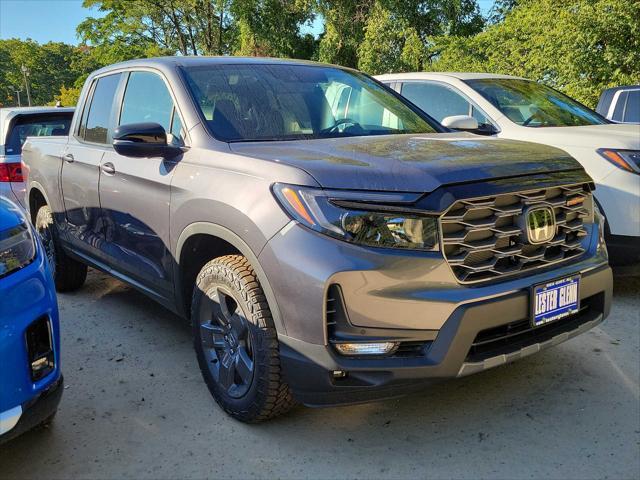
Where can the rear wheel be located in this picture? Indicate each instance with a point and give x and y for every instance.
(236, 341)
(68, 274)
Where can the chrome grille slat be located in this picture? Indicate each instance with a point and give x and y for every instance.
(482, 240)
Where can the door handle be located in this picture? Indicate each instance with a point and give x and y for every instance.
(108, 168)
(67, 157)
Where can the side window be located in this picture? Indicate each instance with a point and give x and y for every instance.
(85, 112)
(483, 121)
(632, 112)
(176, 126)
(438, 101)
(147, 99)
(99, 113)
(618, 110)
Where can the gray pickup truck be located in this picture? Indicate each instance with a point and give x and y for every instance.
(329, 242)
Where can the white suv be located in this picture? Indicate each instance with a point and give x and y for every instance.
(517, 108)
(16, 124)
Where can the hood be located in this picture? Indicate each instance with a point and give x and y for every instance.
(612, 135)
(410, 163)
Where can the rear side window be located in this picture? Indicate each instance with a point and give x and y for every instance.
(101, 108)
(36, 126)
(632, 112)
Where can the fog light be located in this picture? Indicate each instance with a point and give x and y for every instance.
(377, 348)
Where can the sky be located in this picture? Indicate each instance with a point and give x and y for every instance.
(42, 20)
(56, 20)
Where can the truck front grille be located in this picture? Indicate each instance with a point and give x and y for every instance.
(482, 238)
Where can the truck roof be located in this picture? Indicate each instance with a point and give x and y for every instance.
(192, 61)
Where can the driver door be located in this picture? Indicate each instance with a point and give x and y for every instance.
(135, 192)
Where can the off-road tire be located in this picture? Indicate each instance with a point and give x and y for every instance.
(268, 395)
(68, 273)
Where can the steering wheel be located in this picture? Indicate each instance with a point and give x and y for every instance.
(342, 121)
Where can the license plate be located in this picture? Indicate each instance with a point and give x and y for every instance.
(555, 300)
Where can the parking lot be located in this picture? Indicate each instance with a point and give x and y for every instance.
(135, 406)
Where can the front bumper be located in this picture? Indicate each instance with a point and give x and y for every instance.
(28, 295)
(34, 412)
(413, 298)
(454, 352)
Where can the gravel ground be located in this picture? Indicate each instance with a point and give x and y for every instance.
(135, 406)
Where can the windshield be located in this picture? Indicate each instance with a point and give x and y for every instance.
(36, 126)
(532, 104)
(291, 102)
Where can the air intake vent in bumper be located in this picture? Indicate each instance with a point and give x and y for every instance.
(40, 348)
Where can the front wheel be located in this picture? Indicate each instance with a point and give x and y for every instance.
(68, 274)
(236, 341)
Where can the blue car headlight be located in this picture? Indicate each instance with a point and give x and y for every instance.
(17, 248)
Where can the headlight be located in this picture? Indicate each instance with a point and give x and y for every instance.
(370, 219)
(17, 248)
(628, 160)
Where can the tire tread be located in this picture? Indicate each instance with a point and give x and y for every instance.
(273, 396)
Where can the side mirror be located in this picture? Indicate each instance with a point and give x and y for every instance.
(143, 140)
(460, 122)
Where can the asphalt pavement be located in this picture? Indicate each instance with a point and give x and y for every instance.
(135, 406)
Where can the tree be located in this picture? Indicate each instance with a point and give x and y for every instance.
(271, 28)
(397, 32)
(500, 9)
(390, 43)
(50, 66)
(344, 24)
(143, 28)
(577, 46)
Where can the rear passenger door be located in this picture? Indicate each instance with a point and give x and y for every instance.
(81, 165)
(135, 192)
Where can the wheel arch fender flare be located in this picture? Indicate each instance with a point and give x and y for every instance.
(36, 186)
(215, 230)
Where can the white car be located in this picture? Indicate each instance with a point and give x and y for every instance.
(520, 109)
(16, 124)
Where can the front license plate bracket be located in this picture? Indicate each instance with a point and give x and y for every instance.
(554, 300)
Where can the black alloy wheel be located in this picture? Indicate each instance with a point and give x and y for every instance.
(226, 341)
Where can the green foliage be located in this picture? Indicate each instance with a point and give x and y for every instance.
(143, 28)
(271, 28)
(577, 46)
(50, 66)
(383, 48)
(68, 97)
(344, 24)
(397, 31)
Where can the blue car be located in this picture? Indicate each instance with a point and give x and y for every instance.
(30, 377)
